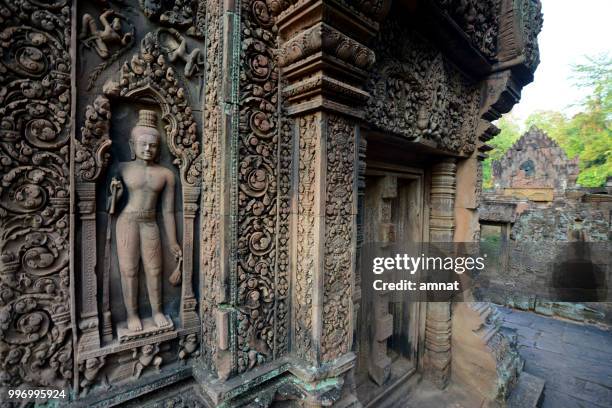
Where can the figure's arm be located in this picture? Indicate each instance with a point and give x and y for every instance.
(103, 17)
(168, 214)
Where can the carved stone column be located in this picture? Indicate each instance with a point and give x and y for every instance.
(324, 64)
(443, 189)
(189, 317)
(88, 322)
(91, 157)
(441, 229)
(324, 237)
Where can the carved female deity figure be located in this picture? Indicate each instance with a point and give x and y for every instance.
(138, 236)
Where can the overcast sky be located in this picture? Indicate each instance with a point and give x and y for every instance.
(571, 30)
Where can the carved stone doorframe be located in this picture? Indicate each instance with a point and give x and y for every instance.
(402, 215)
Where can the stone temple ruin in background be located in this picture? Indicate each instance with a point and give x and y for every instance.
(535, 168)
(535, 199)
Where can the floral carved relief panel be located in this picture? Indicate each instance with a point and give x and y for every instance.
(36, 334)
(261, 196)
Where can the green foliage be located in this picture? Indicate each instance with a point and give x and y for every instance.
(587, 134)
(509, 133)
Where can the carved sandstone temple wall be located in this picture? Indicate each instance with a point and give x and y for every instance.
(274, 118)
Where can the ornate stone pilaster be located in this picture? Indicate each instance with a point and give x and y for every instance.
(211, 291)
(88, 322)
(188, 315)
(441, 229)
(379, 364)
(325, 223)
(91, 159)
(443, 189)
(324, 63)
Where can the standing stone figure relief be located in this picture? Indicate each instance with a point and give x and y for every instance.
(137, 233)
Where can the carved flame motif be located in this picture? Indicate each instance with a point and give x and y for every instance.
(35, 335)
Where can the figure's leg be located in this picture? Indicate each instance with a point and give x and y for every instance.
(128, 247)
(138, 369)
(150, 247)
(179, 52)
(101, 48)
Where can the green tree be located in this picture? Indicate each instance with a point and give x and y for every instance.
(592, 127)
(587, 134)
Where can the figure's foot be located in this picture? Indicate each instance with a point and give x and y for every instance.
(161, 320)
(134, 324)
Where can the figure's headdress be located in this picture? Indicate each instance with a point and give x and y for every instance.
(147, 118)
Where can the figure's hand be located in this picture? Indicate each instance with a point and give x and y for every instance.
(116, 190)
(175, 278)
(116, 187)
(175, 249)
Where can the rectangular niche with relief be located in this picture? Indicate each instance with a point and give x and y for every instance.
(138, 181)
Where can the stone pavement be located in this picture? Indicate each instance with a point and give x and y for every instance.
(574, 359)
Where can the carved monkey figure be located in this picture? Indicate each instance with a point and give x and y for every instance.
(146, 357)
(111, 32)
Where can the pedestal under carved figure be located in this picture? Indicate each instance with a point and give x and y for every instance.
(137, 233)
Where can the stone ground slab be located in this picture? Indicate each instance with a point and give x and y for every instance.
(574, 359)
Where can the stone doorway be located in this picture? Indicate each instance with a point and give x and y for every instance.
(395, 212)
